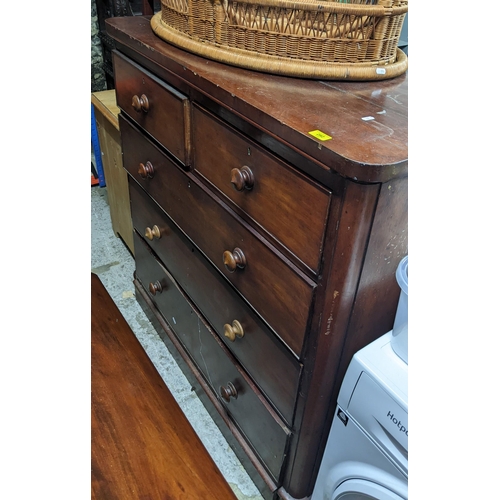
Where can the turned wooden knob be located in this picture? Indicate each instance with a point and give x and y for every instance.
(152, 233)
(146, 170)
(228, 392)
(234, 259)
(155, 288)
(140, 103)
(242, 178)
(234, 330)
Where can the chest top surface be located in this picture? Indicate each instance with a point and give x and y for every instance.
(359, 129)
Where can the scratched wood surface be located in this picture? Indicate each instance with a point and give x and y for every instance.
(367, 121)
(143, 447)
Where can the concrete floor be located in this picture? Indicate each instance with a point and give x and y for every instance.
(114, 264)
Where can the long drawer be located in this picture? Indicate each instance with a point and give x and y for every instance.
(260, 352)
(289, 206)
(280, 293)
(263, 429)
(160, 109)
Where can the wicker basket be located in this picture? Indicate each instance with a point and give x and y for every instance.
(305, 38)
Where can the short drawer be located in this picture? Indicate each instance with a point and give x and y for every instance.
(263, 429)
(158, 108)
(268, 361)
(278, 291)
(288, 205)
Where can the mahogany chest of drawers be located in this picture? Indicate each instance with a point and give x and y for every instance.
(269, 215)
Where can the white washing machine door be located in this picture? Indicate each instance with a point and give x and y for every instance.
(360, 489)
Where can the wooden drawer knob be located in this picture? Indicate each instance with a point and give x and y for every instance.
(234, 330)
(140, 103)
(228, 392)
(234, 259)
(242, 178)
(153, 233)
(155, 288)
(147, 170)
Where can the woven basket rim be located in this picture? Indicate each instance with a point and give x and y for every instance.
(325, 6)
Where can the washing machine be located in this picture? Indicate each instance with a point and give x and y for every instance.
(366, 456)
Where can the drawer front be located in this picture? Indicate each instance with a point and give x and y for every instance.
(163, 112)
(267, 435)
(289, 206)
(281, 295)
(268, 361)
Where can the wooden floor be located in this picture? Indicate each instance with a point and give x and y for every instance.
(143, 447)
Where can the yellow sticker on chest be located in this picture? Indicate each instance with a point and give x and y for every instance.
(320, 135)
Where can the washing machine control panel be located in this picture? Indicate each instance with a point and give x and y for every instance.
(382, 417)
